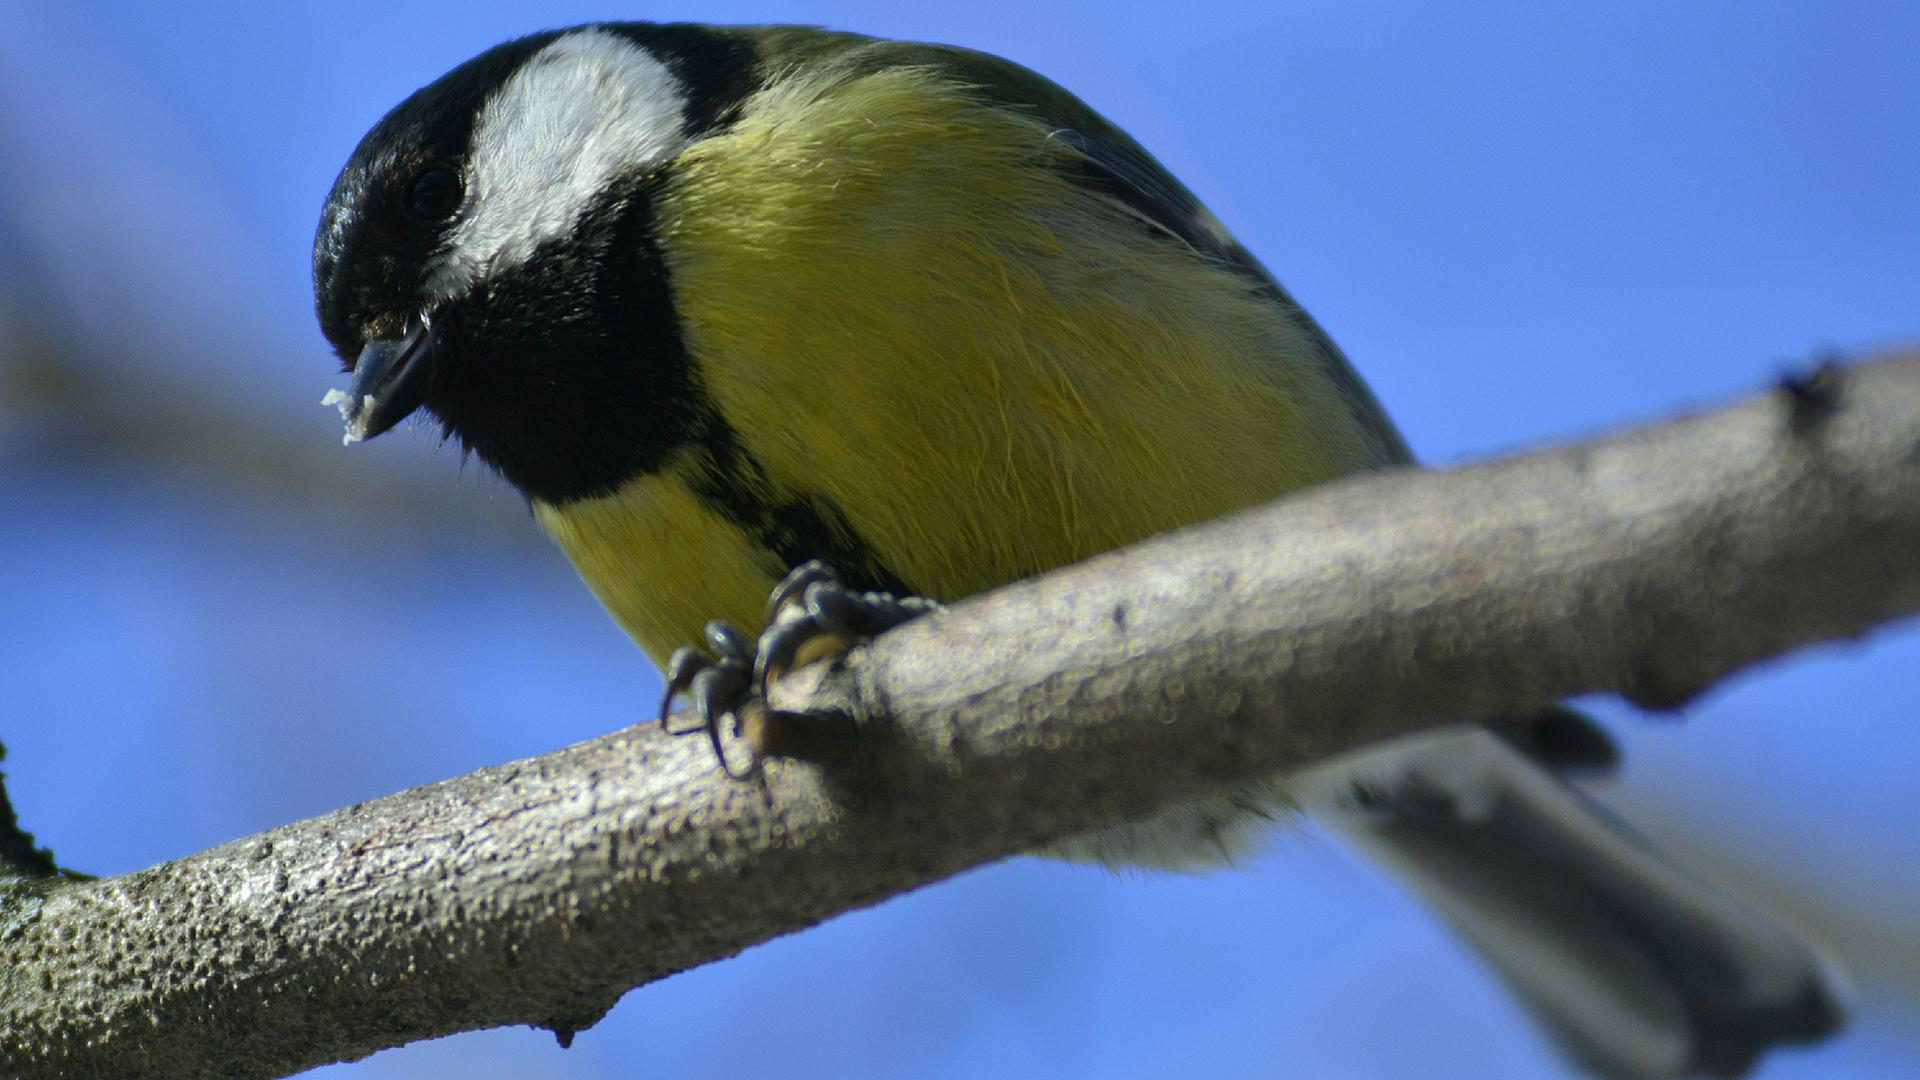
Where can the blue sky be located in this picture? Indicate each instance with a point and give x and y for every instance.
(1523, 223)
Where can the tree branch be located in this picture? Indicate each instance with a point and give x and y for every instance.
(1649, 564)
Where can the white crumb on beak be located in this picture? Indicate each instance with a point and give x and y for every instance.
(343, 401)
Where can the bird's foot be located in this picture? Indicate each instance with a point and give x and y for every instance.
(811, 615)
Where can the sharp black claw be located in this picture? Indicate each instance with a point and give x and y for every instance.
(718, 692)
(686, 663)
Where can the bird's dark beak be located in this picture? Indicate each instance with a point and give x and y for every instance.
(390, 381)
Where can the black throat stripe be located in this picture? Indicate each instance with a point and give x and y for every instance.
(794, 528)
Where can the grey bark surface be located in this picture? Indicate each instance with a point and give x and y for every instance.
(1649, 564)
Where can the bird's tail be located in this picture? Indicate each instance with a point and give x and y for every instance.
(1642, 970)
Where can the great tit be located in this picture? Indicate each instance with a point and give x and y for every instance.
(721, 301)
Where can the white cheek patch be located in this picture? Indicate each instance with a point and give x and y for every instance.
(589, 106)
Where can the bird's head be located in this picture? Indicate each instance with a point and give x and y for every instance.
(487, 254)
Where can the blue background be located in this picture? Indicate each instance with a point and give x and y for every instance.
(1523, 222)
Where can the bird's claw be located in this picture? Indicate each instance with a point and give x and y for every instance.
(719, 680)
(810, 615)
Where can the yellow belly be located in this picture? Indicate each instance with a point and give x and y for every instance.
(663, 562)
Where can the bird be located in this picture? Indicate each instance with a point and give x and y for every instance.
(770, 310)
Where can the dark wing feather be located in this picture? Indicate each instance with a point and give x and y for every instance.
(1120, 170)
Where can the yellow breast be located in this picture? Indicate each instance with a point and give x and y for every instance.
(662, 561)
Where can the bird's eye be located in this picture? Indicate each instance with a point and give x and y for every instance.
(434, 195)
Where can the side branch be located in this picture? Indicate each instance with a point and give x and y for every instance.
(1649, 564)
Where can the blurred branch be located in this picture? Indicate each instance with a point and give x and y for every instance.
(61, 400)
(1649, 564)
